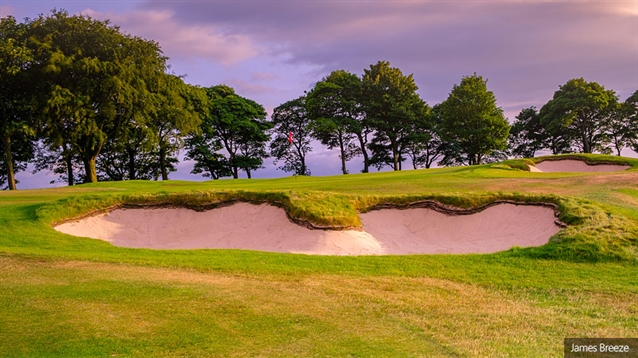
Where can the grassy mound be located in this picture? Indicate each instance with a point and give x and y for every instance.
(593, 233)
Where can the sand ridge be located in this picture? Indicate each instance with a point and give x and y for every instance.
(573, 165)
(267, 228)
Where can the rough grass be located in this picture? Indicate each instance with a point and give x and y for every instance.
(67, 296)
(97, 309)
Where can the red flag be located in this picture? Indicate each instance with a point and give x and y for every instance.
(290, 137)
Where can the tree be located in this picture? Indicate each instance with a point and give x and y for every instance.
(630, 107)
(527, 135)
(21, 153)
(619, 124)
(61, 160)
(617, 127)
(177, 112)
(132, 157)
(252, 148)
(338, 120)
(240, 126)
(291, 117)
(472, 125)
(132, 153)
(15, 128)
(391, 106)
(582, 108)
(424, 144)
(202, 148)
(92, 72)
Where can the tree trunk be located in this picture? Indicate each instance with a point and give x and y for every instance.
(9, 163)
(212, 172)
(302, 159)
(586, 146)
(395, 158)
(89, 168)
(248, 173)
(366, 159)
(343, 156)
(233, 166)
(303, 166)
(131, 164)
(68, 158)
(162, 154)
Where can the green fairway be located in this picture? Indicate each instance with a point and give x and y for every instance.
(76, 297)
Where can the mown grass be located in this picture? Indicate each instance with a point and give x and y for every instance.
(67, 296)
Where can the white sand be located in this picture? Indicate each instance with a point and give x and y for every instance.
(571, 165)
(427, 231)
(267, 228)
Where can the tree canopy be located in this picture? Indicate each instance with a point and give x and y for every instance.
(93, 74)
(16, 131)
(582, 116)
(391, 105)
(291, 118)
(338, 120)
(581, 109)
(233, 123)
(472, 123)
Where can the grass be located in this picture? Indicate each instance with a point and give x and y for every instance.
(67, 296)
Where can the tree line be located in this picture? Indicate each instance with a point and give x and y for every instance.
(88, 102)
(381, 117)
(581, 117)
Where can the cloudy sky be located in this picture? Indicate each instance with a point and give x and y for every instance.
(273, 50)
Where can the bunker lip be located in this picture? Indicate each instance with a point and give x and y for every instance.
(414, 230)
(201, 208)
(575, 166)
(453, 210)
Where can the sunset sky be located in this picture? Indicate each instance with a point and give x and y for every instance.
(273, 51)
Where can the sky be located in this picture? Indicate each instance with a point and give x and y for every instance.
(272, 51)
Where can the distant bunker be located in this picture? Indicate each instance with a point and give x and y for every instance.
(572, 165)
(267, 228)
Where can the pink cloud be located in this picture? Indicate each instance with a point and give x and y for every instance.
(183, 41)
(244, 88)
(264, 76)
(6, 10)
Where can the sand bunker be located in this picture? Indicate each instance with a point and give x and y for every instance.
(240, 226)
(267, 228)
(571, 165)
(496, 228)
